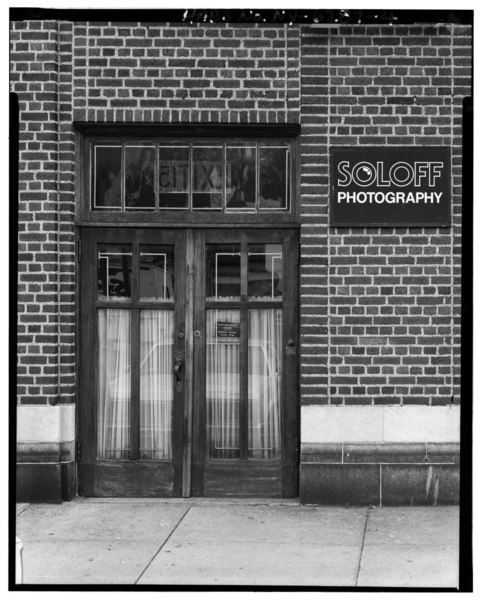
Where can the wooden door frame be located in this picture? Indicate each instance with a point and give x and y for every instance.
(188, 444)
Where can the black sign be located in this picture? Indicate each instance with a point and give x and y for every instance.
(390, 186)
(227, 329)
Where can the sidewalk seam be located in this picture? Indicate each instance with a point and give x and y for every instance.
(22, 511)
(163, 544)
(362, 547)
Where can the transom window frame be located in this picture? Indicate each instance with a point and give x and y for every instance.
(91, 135)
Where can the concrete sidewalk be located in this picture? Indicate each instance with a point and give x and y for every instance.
(237, 542)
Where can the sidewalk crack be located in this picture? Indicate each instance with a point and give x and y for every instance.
(21, 511)
(163, 544)
(362, 547)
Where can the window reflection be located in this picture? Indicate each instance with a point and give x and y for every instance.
(114, 384)
(156, 384)
(114, 269)
(249, 176)
(207, 177)
(264, 383)
(222, 383)
(107, 176)
(273, 174)
(156, 273)
(173, 176)
(223, 272)
(139, 177)
(265, 271)
(240, 177)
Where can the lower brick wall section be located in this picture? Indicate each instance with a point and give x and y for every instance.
(46, 482)
(379, 474)
(46, 467)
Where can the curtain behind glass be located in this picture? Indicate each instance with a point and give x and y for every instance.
(222, 384)
(264, 369)
(156, 384)
(114, 337)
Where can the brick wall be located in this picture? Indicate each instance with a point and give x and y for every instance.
(122, 72)
(41, 76)
(192, 73)
(380, 308)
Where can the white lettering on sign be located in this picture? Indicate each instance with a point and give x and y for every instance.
(389, 197)
(400, 174)
(383, 186)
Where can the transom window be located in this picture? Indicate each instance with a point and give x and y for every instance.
(244, 176)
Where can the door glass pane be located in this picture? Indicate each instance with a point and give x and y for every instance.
(114, 388)
(114, 271)
(139, 177)
(223, 272)
(173, 176)
(241, 177)
(222, 383)
(156, 384)
(207, 177)
(156, 273)
(273, 177)
(265, 271)
(107, 177)
(264, 377)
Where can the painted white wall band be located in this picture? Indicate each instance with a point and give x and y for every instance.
(37, 423)
(378, 424)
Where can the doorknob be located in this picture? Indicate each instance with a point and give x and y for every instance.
(177, 369)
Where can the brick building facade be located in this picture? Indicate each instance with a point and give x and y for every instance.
(378, 344)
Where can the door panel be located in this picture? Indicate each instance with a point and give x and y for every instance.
(245, 382)
(132, 342)
(188, 379)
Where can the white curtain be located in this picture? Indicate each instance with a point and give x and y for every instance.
(114, 337)
(222, 386)
(156, 384)
(264, 376)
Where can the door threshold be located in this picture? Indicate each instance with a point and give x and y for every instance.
(194, 500)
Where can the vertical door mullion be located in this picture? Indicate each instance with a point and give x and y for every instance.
(243, 354)
(188, 307)
(289, 393)
(198, 413)
(88, 371)
(135, 358)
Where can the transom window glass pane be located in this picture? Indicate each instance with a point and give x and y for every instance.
(264, 380)
(241, 177)
(265, 271)
(173, 176)
(223, 272)
(207, 177)
(156, 273)
(114, 384)
(273, 177)
(222, 383)
(228, 176)
(114, 272)
(139, 177)
(107, 177)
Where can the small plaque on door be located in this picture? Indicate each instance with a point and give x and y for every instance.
(228, 330)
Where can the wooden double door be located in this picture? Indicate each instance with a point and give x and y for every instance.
(188, 362)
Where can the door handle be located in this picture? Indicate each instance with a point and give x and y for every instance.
(177, 369)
